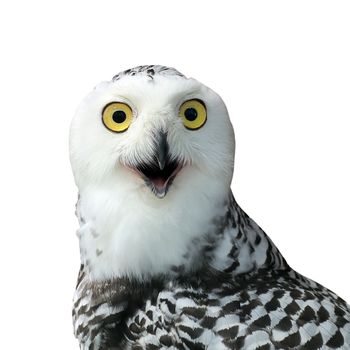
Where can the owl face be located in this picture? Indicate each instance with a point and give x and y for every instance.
(153, 134)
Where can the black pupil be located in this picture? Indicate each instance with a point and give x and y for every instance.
(191, 114)
(119, 116)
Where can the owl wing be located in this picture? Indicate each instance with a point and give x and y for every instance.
(97, 309)
(269, 311)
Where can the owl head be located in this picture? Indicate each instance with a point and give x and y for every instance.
(154, 132)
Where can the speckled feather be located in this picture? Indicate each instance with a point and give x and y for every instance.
(255, 301)
(241, 294)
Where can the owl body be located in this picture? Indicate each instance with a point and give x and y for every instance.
(168, 258)
(272, 310)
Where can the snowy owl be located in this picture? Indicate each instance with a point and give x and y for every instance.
(168, 258)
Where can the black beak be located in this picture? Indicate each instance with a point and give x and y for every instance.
(161, 171)
(162, 149)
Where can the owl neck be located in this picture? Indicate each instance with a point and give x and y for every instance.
(117, 241)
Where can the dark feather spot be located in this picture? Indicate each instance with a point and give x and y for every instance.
(338, 311)
(257, 240)
(239, 344)
(272, 305)
(336, 341)
(308, 296)
(197, 312)
(314, 343)
(279, 293)
(341, 322)
(166, 340)
(296, 294)
(170, 305)
(142, 322)
(247, 309)
(292, 308)
(193, 345)
(244, 296)
(98, 252)
(322, 314)
(151, 347)
(134, 328)
(291, 341)
(231, 307)
(208, 322)
(213, 302)
(150, 329)
(285, 324)
(233, 267)
(307, 315)
(229, 332)
(192, 332)
(149, 314)
(263, 347)
(262, 322)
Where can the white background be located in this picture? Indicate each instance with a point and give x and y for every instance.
(281, 66)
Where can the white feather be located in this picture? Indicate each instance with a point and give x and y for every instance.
(127, 230)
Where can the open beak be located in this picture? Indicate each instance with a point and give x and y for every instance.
(161, 172)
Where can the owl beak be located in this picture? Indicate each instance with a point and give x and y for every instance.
(162, 149)
(160, 173)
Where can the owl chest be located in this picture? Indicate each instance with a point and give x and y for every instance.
(136, 250)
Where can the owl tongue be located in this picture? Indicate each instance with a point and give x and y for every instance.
(159, 179)
(159, 182)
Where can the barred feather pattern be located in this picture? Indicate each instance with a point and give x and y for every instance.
(244, 296)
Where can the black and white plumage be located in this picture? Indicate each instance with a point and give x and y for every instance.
(169, 259)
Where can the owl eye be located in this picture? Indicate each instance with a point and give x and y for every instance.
(193, 114)
(117, 116)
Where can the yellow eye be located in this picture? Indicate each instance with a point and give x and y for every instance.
(117, 116)
(193, 114)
